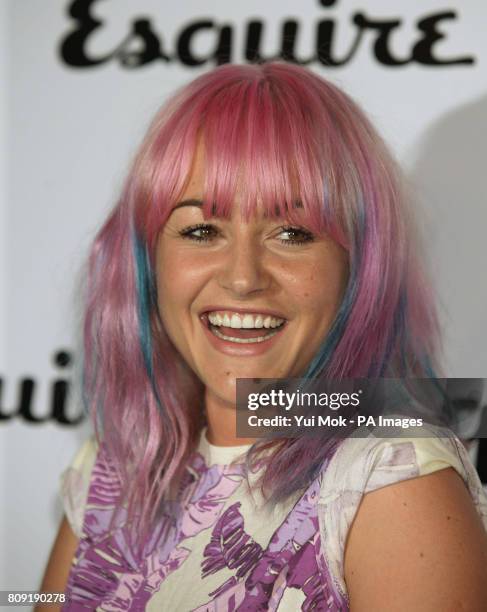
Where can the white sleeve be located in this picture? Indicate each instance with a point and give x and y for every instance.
(361, 465)
(75, 483)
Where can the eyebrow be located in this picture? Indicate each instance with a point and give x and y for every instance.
(190, 202)
(199, 204)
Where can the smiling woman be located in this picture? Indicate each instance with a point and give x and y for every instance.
(262, 232)
(241, 299)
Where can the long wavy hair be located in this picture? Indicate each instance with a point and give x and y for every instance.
(288, 134)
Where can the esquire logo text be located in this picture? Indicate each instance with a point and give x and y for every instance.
(324, 38)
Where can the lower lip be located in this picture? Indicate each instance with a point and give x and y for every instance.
(237, 349)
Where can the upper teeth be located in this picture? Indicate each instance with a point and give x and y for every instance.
(246, 321)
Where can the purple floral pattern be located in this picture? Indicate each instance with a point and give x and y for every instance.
(108, 574)
(220, 552)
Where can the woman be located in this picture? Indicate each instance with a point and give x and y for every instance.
(262, 232)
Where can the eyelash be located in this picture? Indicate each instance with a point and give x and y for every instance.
(187, 233)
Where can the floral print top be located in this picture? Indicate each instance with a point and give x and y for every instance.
(224, 551)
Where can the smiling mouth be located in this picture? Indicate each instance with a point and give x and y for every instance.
(243, 329)
(224, 335)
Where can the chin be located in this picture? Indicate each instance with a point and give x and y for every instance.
(224, 396)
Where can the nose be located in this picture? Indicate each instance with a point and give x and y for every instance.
(243, 270)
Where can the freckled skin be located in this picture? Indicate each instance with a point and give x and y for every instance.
(244, 265)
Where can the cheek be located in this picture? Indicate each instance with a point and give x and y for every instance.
(170, 293)
(180, 278)
(320, 287)
(169, 306)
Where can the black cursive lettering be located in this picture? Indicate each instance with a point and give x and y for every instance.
(58, 409)
(423, 49)
(221, 53)
(72, 48)
(149, 46)
(326, 31)
(382, 43)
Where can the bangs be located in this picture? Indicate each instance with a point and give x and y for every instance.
(259, 146)
(269, 142)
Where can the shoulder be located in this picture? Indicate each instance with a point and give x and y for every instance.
(365, 465)
(426, 542)
(75, 484)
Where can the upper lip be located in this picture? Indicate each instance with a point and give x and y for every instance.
(254, 310)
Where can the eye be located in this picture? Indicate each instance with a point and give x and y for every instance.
(202, 232)
(291, 235)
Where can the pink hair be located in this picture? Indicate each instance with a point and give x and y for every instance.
(282, 135)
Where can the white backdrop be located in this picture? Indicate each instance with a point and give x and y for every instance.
(68, 134)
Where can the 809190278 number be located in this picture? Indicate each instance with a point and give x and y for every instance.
(30, 597)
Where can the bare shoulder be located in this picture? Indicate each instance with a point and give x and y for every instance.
(418, 545)
(59, 564)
